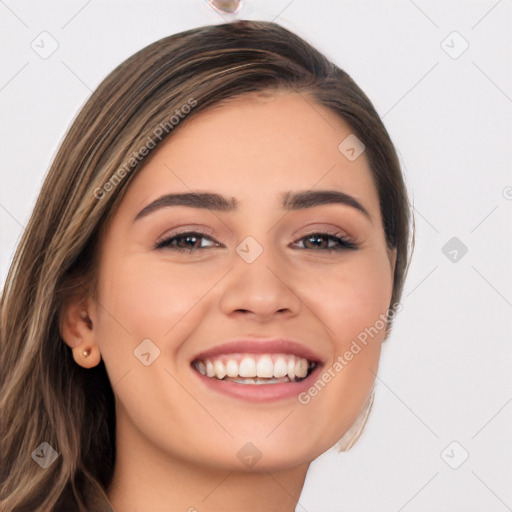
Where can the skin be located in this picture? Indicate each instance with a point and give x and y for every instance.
(177, 440)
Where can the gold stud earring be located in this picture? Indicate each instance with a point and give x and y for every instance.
(86, 352)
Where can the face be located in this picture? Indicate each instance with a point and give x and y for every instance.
(264, 282)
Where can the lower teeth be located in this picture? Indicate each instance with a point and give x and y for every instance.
(256, 380)
(259, 380)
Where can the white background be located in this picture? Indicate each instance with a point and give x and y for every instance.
(446, 370)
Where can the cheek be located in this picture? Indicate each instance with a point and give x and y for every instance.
(153, 300)
(352, 302)
(350, 297)
(148, 298)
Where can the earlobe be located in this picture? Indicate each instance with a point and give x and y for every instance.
(85, 356)
(77, 331)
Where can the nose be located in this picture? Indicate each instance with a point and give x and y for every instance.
(260, 290)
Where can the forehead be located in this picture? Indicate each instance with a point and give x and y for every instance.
(255, 147)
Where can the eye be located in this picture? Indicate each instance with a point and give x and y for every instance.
(327, 241)
(190, 241)
(186, 241)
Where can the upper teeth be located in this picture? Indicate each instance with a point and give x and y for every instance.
(255, 365)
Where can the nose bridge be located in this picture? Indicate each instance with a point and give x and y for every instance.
(258, 283)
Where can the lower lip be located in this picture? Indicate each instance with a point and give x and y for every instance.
(260, 392)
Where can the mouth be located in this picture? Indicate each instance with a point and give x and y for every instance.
(256, 369)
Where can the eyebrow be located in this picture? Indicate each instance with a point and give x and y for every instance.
(217, 202)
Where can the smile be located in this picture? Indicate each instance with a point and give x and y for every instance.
(256, 369)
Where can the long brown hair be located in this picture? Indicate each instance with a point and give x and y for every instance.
(45, 396)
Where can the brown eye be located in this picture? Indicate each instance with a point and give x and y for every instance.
(325, 241)
(188, 241)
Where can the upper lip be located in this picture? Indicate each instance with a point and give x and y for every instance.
(261, 346)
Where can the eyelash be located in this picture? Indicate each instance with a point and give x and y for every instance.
(344, 242)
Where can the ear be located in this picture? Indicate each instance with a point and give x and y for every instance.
(76, 327)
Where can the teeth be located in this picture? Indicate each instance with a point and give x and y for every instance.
(220, 370)
(259, 381)
(201, 367)
(280, 367)
(257, 368)
(291, 368)
(231, 368)
(301, 370)
(210, 371)
(265, 368)
(247, 367)
(245, 381)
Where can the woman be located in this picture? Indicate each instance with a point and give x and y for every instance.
(196, 309)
